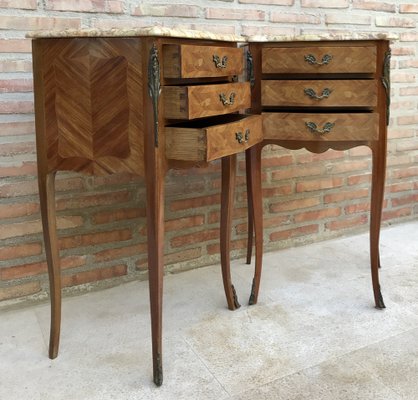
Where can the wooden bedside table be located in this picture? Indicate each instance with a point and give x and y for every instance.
(322, 95)
(138, 101)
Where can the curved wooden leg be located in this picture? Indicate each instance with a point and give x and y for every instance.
(249, 206)
(254, 156)
(229, 166)
(155, 238)
(378, 186)
(46, 182)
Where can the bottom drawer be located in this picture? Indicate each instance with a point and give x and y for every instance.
(199, 141)
(317, 127)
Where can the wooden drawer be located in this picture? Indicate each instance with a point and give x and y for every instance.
(188, 61)
(323, 93)
(319, 59)
(330, 127)
(197, 142)
(197, 101)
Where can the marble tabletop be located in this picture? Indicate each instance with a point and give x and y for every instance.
(161, 31)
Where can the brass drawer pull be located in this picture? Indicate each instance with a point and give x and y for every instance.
(310, 58)
(314, 128)
(312, 94)
(242, 139)
(225, 101)
(220, 63)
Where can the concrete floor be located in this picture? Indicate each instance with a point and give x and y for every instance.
(314, 334)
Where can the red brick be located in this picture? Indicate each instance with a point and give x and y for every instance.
(299, 171)
(94, 200)
(20, 229)
(16, 85)
(26, 23)
(295, 204)
(395, 22)
(400, 187)
(349, 166)
(237, 14)
(24, 289)
(351, 19)
(405, 173)
(94, 238)
(319, 184)
(277, 191)
(374, 5)
(359, 179)
(13, 149)
(346, 195)
(20, 251)
(18, 210)
(169, 10)
(297, 18)
(403, 51)
(269, 30)
(109, 23)
(106, 217)
(268, 222)
(408, 91)
(16, 107)
(395, 214)
(195, 202)
(408, 64)
(401, 201)
(325, 3)
(196, 237)
(17, 128)
(235, 245)
(294, 232)
(121, 252)
(23, 4)
(15, 46)
(18, 169)
(347, 223)
(277, 161)
(403, 77)
(26, 270)
(408, 8)
(16, 189)
(104, 6)
(94, 275)
(184, 223)
(182, 255)
(357, 208)
(403, 105)
(409, 37)
(407, 145)
(272, 2)
(318, 214)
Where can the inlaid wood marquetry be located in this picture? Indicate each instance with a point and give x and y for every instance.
(92, 123)
(319, 59)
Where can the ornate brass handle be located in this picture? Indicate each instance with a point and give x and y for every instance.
(242, 139)
(225, 101)
(314, 128)
(310, 58)
(220, 63)
(312, 94)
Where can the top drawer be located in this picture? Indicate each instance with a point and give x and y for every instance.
(189, 61)
(319, 59)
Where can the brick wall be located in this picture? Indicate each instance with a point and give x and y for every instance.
(101, 220)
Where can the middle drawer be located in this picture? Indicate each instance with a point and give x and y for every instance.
(320, 93)
(197, 101)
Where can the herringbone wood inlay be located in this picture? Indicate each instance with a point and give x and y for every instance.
(93, 117)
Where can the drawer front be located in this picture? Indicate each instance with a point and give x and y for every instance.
(189, 102)
(188, 61)
(319, 59)
(213, 142)
(320, 93)
(321, 127)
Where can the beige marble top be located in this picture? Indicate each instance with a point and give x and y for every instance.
(196, 34)
(129, 32)
(324, 36)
